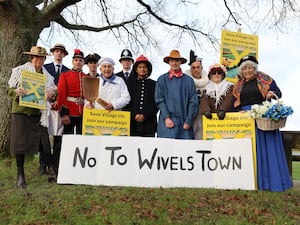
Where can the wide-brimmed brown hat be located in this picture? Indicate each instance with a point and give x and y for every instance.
(175, 54)
(60, 47)
(37, 51)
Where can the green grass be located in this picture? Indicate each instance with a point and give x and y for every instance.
(296, 170)
(50, 203)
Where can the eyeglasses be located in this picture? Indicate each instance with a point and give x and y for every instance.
(216, 72)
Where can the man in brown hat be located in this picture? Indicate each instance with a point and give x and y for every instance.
(29, 125)
(176, 97)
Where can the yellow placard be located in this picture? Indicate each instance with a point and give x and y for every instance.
(235, 125)
(103, 122)
(34, 86)
(234, 46)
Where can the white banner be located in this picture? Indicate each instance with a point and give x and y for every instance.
(156, 162)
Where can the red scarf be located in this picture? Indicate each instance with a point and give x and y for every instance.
(173, 73)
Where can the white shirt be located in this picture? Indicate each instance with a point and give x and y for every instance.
(115, 93)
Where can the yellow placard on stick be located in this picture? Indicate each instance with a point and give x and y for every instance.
(235, 125)
(34, 86)
(103, 122)
(234, 46)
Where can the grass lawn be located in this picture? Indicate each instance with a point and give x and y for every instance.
(296, 170)
(49, 203)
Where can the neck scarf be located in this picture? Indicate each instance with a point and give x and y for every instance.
(218, 91)
(263, 82)
(108, 80)
(173, 73)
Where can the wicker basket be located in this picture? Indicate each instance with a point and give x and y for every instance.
(267, 124)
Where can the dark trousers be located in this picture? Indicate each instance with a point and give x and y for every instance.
(76, 122)
(45, 148)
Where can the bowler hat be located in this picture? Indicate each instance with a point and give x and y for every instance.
(37, 51)
(126, 54)
(92, 58)
(59, 47)
(174, 54)
(142, 59)
(246, 58)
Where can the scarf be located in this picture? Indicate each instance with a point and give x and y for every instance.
(173, 73)
(108, 80)
(263, 83)
(217, 91)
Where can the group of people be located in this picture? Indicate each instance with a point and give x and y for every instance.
(180, 98)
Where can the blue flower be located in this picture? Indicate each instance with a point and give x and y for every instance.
(278, 111)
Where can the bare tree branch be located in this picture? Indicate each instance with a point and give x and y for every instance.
(61, 20)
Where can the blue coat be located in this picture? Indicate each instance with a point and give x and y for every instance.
(51, 69)
(176, 99)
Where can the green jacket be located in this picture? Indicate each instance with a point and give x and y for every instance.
(16, 108)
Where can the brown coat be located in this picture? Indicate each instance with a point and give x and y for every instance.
(207, 103)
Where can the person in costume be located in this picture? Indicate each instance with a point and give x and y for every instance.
(70, 98)
(56, 126)
(113, 93)
(217, 95)
(254, 87)
(126, 60)
(176, 98)
(92, 62)
(29, 125)
(200, 79)
(142, 105)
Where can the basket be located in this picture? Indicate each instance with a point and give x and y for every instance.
(268, 124)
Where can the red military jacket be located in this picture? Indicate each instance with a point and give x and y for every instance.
(70, 94)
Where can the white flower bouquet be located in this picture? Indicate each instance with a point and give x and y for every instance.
(269, 116)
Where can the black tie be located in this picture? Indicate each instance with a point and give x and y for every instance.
(58, 70)
(126, 75)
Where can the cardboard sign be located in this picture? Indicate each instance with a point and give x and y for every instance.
(156, 162)
(234, 46)
(104, 122)
(34, 85)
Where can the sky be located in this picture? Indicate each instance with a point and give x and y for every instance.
(278, 56)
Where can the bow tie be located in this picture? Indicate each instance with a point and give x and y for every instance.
(177, 74)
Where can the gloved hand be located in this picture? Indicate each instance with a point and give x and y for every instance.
(221, 114)
(208, 115)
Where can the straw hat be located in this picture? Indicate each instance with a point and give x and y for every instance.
(60, 47)
(37, 51)
(174, 54)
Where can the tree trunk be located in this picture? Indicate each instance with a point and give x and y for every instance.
(15, 38)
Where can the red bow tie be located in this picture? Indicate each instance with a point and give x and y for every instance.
(173, 73)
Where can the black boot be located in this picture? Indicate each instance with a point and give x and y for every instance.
(42, 169)
(21, 179)
(52, 174)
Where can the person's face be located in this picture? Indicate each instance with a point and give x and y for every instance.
(196, 69)
(58, 55)
(142, 70)
(175, 64)
(38, 61)
(216, 76)
(78, 63)
(92, 66)
(126, 63)
(106, 70)
(248, 72)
